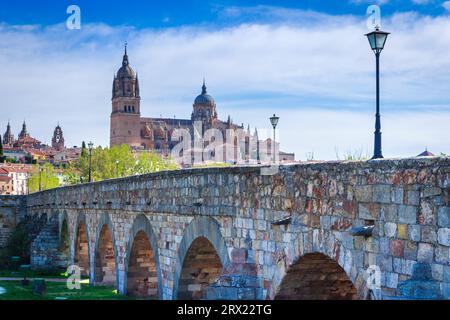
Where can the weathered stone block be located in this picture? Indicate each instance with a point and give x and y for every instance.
(390, 229)
(410, 250)
(402, 231)
(441, 254)
(407, 214)
(430, 191)
(437, 271)
(428, 234)
(414, 232)
(363, 193)
(397, 195)
(444, 236)
(425, 253)
(443, 217)
(412, 198)
(382, 193)
(391, 280)
(397, 248)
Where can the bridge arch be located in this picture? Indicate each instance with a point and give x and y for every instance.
(316, 269)
(202, 240)
(142, 275)
(82, 256)
(105, 258)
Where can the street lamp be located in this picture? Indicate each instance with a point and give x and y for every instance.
(90, 145)
(117, 168)
(274, 121)
(377, 39)
(40, 178)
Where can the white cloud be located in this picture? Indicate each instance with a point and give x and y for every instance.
(379, 2)
(422, 2)
(318, 74)
(446, 5)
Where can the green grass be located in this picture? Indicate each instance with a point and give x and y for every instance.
(34, 274)
(15, 291)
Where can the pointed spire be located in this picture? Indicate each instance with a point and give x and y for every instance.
(204, 87)
(125, 56)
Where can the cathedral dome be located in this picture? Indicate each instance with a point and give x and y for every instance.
(204, 97)
(126, 72)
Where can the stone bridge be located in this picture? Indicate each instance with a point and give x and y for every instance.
(333, 230)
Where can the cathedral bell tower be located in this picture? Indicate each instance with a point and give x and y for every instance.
(126, 113)
(204, 109)
(58, 139)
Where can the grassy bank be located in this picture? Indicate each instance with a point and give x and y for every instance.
(15, 291)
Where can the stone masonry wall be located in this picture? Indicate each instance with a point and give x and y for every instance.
(262, 225)
(12, 211)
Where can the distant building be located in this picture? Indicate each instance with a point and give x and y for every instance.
(25, 140)
(426, 153)
(8, 137)
(14, 179)
(27, 148)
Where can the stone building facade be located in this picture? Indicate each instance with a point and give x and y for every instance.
(127, 126)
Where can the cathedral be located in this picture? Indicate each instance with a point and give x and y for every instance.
(26, 141)
(128, 127)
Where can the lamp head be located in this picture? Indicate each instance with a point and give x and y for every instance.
(274, 120)
(377, 39)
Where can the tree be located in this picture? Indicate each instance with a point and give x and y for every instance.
(115, 162)
(83, 149)
(2, 157)
(46, 175)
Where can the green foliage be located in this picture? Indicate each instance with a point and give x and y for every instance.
(10, 160)
(83, 149)
(212, 165)
(48, 177)
(18, 245)
(352, 155)
(118, 161)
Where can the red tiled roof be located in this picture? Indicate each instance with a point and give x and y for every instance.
(5, 178)
(426, 153)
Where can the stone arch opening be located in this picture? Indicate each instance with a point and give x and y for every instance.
(201, 267)
(142, 275)
(81, 258)
(316, 276)
(105, 262)
(64, 244)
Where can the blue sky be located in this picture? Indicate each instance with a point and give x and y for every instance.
(308, 61)
(170, 13)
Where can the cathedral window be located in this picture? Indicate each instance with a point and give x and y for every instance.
(132, 108)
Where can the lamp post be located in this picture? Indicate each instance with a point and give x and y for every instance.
(90, 145)
(274, 121)
(117, 168)
(377, 39)
(40, 178)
